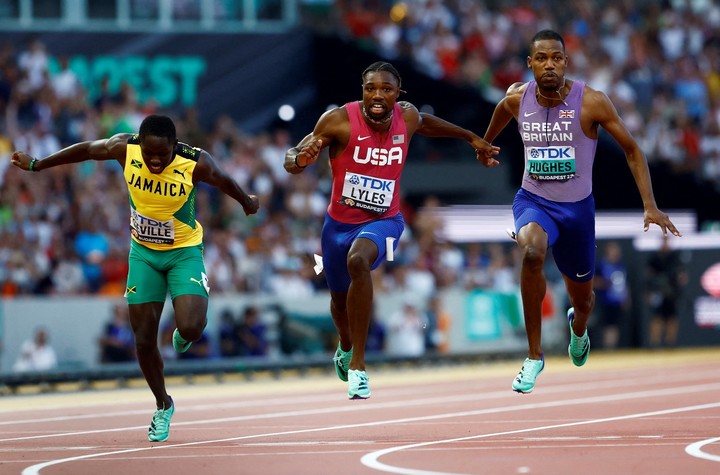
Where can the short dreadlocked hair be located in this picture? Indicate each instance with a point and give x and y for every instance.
(158, 126)
(382, 66)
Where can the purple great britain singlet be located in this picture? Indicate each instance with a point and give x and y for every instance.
(558, 155)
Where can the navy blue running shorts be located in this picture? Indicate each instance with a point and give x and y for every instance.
(570, 228)
(337, 238)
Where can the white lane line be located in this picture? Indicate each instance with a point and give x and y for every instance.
(371, 459)
(557, 389)
(695, 449)
(440, 400)
(194, 408)
(35, 469)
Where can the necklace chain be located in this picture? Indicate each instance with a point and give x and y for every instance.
(560, 97)
(384, 121)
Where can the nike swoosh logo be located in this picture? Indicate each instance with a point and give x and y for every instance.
(360, 139)
(583, 275)
(528, 114)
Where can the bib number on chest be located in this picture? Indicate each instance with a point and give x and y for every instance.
(367, 192)
(146, 229)
(550, 163)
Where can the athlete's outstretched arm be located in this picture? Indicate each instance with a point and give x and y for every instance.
(106, 149)
(208, 171)
(433, 126)
(607, 116)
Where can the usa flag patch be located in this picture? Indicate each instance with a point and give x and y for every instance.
(567, 114)
(398, 139)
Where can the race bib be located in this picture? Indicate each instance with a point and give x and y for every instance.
(146, 229)
(550, 163)
(367, 192)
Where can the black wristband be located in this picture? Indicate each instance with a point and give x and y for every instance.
(31, 167)
(297, 152)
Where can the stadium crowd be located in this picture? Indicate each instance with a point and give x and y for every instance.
(65, 231)
(659, 61)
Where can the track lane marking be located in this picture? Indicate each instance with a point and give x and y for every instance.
(35, 469)
(371, 460)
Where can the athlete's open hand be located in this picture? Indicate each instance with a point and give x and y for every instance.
(654, 215)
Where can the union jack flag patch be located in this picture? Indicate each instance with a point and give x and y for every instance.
(398, 139)
(567, 114)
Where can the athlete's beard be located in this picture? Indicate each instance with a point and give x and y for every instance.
(384, 121)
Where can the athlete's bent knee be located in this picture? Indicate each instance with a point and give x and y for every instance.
(192, 330)
(533, 257)
(357, 265)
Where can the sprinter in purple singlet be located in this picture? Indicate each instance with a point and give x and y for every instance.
(558, 119)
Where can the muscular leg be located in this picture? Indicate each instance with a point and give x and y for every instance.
(190, 315)
(582, 298)
(360, 297)
(533, 242)
(338, 310)
(145, 321)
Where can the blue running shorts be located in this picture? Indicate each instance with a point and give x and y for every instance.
(337, 238)
(570, 228)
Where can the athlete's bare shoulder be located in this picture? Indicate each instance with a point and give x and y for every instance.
(333, 129)
(516, 88)
(332, 121)
(405, 105)
(597, 105)
(411, 116)
(513, 96)
(593, 97)
(115, 146)
(515, 91)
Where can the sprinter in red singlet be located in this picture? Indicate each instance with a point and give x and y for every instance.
(368, 143)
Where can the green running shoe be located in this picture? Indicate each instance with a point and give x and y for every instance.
(159, 430)
(524, 382)
(358, 387)
(342, 362)
(180, 344)
(579, 347)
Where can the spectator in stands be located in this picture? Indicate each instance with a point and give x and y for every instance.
(228, 342)
(407, 328)
(67, 274)
(368, 142)
(251, 333)
(166, 248)
(613, 293)
(555, 207)
(377, 333)
(666, 280)
(117, 344)
(33, 61)
(92, 247)
(437, 333)
(65, 83)
(36, 354)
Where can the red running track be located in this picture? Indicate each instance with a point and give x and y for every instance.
(623, 413)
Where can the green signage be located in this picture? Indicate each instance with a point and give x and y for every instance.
(168, 80)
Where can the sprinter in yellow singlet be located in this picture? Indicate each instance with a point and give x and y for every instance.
(166, 250)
